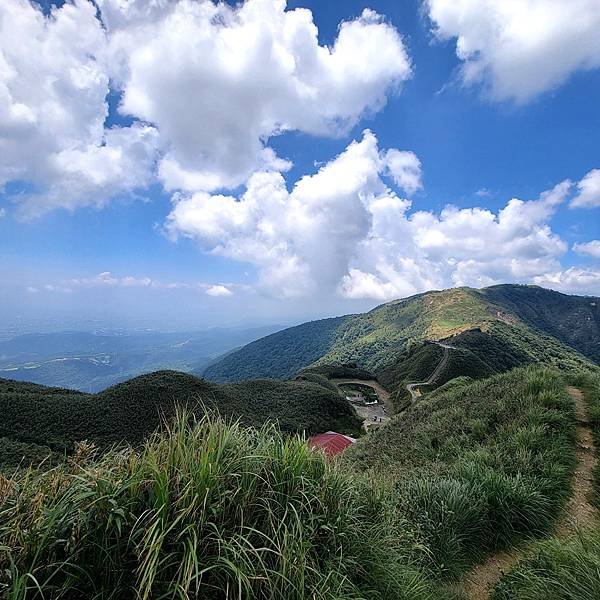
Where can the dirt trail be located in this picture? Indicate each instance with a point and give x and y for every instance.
(413, 388)
(579, 512)
(479, 583)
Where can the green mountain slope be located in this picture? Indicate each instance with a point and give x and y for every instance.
(528, 323)
(280, 354)
(55, 419)
(573, 320)
(477, 465)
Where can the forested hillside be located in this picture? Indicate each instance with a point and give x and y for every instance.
(281, 354)
(37, 420)
(573, 320)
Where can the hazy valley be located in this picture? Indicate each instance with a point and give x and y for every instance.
(93, 361)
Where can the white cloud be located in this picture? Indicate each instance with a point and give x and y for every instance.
(591, 248)
(53, 89)
(218, 291)
(300, 240)
(573, 280)
(60, 289)
(2, 212)
(206, 84)
(520, 48)
(218, 81)
(104, 279)
(588, 189)
(107, 280)
(130, 281)
(405, 169)
(344, 230)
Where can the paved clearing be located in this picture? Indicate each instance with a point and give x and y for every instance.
(381, 410)
(479, 583)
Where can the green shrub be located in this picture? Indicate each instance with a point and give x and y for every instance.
(340, 371)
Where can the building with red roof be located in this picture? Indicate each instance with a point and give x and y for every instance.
(333, 443)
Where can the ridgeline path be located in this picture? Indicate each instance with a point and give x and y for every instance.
(413, 387)
(479, 583)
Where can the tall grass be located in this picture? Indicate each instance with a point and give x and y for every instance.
(563, 569)
(207, 509)
(478, 466)
(559, 570)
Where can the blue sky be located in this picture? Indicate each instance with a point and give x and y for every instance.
(131, 246)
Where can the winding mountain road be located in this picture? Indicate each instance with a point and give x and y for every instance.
(413, 388)
(381, 412)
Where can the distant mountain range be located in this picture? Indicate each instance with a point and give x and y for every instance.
(92, 361)
(501, 326)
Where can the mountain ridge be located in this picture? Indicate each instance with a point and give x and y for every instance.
(374, 338)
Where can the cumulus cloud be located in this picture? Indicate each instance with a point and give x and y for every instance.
(205, 85)
(344, 230)
(405, 169)
(218, 291)
(591, 248)
(301, 240)
(520, 49)
(588, 189)
(218, 81)
(573, 280)
(53, 89)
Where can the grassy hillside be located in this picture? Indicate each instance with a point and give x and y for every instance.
(57, 419)
(564, 333)
(478, 465)
(420, 361)
(210, 510)
(558, 568)
(411, 365)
